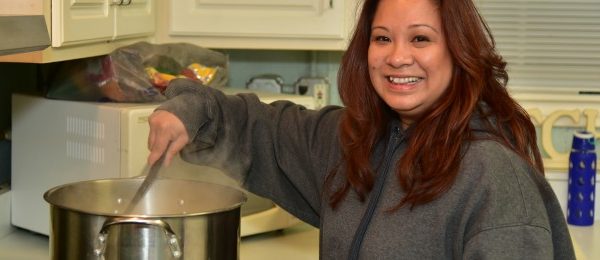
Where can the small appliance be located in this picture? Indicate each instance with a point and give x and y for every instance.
(56, 142)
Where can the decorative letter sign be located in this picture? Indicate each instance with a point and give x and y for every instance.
(550, 111)
(557, 159)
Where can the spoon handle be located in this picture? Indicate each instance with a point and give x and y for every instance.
(148, 180)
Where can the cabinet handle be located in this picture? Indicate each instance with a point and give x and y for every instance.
(325, 5)
(121, 2)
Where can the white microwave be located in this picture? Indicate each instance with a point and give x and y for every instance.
(56, 142)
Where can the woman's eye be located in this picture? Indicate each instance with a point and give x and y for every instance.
(381, 39)
(420, 38)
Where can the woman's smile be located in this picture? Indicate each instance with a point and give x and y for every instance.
(404, 80)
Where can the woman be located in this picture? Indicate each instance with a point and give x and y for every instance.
(429, 159)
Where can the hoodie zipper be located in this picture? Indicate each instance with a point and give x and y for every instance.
(395, 139)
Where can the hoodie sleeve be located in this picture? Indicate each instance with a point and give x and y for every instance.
(281, 150)
(510, 210)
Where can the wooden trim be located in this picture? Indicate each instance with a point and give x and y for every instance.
(21, 7)
(68, 53)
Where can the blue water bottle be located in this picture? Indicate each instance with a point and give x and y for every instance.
(582, 179)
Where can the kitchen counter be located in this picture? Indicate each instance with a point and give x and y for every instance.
(300, 242)
(586, 241)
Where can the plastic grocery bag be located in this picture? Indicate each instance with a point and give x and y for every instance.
(136, 73)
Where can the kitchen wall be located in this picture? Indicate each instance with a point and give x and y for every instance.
(290, 65)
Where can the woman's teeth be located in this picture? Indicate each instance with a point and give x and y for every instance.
(406, 80)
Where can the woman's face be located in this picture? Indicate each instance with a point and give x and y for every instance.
(409, 63)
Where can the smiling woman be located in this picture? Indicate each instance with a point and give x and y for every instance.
(430, 158)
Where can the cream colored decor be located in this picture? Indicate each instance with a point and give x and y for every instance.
(560, 109)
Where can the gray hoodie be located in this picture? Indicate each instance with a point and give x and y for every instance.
(498, 208)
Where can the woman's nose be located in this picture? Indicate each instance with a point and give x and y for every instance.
(400, 56)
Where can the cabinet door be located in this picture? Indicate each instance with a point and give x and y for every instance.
(81, 21)
(259, 18)
(135, 19)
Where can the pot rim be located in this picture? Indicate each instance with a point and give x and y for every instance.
(48, 198)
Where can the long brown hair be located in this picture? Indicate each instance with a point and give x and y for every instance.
(431, 162)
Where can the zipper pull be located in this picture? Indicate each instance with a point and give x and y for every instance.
(397, 132)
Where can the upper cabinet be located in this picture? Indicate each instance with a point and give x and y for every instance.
(86, 28)
(261, 24)
(85, 21)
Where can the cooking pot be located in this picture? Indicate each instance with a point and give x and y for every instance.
(176, 219)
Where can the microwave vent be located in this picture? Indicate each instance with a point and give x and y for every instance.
(79, 130)
(85, 128)
(85, 152)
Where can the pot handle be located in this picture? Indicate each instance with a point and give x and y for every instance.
(100, 245)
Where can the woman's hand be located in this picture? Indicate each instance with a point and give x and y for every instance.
(167, 135)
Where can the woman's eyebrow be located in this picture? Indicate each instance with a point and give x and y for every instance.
(424, 25)
(379, 27)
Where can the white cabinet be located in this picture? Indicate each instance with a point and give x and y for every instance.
(263, 18)
(265, 24)
(84, 28)
(84, 21)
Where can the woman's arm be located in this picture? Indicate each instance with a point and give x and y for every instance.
(281, 151)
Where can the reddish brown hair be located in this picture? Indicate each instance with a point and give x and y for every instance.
(431, 163)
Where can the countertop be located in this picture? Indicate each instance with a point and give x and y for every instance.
(299, 242)
(586, 241)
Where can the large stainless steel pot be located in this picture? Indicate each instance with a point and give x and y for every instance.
(176, 219)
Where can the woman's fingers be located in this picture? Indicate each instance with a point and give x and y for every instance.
(167, 136)
(174, 147)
